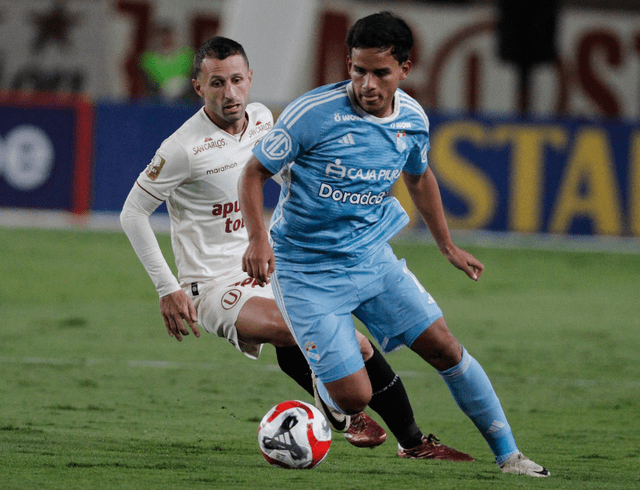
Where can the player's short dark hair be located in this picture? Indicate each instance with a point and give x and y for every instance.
(382, 31)
(217, 47)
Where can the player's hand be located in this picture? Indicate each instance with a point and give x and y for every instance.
(464, 261)
(177, 308)
(258, 260)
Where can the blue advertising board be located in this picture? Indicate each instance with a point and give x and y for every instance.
(127, 137)
(536, 176)
(45, 149)
(524, 175)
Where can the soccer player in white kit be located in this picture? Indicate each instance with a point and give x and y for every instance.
(195, 171)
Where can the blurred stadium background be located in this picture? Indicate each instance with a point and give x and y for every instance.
(535, 133)
(534, 109)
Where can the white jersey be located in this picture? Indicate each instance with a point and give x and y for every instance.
(196, 171)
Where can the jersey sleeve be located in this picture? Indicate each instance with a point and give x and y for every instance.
(417, 160)
(277, 149)
(135, 223)
(289, 138)
(167, 170)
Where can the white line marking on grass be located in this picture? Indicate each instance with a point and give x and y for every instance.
(157, 364)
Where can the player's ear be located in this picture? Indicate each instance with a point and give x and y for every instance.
(406, 68)
(250, 77)
(349, 63)
(196, 86)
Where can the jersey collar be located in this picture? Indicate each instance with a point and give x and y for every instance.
(236, 136)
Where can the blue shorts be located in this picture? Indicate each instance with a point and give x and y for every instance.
(380, 291)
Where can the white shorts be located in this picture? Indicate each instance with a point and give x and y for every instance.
(218, 308)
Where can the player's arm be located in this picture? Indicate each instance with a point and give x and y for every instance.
(258, 260)
(175, 306)
(425, 195)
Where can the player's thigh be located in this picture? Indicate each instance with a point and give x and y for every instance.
(260, 321)
(218, 311)
(365, 346)
(400, 309)
(317, 308)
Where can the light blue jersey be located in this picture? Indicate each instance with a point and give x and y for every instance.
(339, 163)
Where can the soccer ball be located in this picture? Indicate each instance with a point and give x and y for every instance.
(294, 434)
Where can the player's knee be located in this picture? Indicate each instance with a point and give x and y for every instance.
(438, 346)
(365, 348)
(354, 402)
(445, 357)
(352, 396)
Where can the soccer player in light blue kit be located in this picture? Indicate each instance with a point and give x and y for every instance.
(340, 148)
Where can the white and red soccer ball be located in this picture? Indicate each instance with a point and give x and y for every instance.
(294, 434)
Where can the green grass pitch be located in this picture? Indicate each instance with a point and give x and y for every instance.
(95, 394)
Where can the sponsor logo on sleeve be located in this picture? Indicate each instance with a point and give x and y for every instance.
(277, 144)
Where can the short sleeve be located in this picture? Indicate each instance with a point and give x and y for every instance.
(277, 149)
(417, 160)
(295, 132)
(168, 168)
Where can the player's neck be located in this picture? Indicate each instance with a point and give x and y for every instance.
(234, 129)
(243, 126)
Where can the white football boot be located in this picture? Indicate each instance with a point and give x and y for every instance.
(521, 465)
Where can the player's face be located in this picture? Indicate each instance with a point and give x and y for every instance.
(224, 85)
(375, 75)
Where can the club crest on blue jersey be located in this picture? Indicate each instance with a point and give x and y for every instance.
(401, 141)
(311, 350)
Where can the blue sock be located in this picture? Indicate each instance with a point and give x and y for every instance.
(472, 391)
